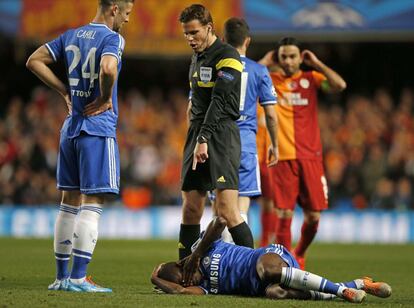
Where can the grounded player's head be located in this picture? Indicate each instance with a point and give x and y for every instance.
(236, 31)
(197, 25)
(288, 52)
(119, 10)
(171, 272)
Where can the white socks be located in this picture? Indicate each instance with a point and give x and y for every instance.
(86, 230)
(64, 225)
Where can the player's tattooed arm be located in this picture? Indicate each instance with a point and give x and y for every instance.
(192, 262)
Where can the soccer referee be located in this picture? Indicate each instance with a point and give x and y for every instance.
(212, 149)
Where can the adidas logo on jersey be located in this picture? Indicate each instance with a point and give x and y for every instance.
(221, 179)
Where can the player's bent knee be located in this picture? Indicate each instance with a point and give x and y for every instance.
(71, 197)
(283, 213)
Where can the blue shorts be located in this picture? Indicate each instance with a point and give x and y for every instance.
(283, 253)
(249, 175)
(88, 163)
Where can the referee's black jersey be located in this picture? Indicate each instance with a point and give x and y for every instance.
(215, 78)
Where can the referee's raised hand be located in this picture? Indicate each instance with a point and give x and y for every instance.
(200, 154)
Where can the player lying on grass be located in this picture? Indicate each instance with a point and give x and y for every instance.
(217, 267)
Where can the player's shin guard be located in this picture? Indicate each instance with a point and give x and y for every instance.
(308, 233)
(84, 239)
(63, 238)
(189, 234)
(297, 279)
(283, 232)
(242, 235)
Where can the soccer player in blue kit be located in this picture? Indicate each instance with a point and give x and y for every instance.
(88, 162)
(216, 267)
(256, 87)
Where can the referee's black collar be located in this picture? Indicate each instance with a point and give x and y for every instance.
(213, 47)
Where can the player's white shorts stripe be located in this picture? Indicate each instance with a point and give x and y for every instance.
(108, 144)
(259, 184)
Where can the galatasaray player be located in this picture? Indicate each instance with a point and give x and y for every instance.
(299, 175)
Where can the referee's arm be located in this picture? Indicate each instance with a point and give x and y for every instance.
(228, 77)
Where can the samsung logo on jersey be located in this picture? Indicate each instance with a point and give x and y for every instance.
(90, 35)
(214, 272)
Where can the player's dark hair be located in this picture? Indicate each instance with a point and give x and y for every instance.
(107, 3)
(171, 272)
(286, 41)
(196, 12)
(236, 30)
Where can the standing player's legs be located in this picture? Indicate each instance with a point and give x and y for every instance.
(268, 215)
(68, 181)
(63, 235)
(272, 269)
(195, 184)
(192, 211)
(224, 152)
(313, 198)
(98, 165)
(285, 176)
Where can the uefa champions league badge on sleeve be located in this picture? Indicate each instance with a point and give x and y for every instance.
(206, 73)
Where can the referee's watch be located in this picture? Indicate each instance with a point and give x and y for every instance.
(201, 139)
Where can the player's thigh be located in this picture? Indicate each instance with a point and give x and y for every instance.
(98, 164)
(224, 156)
(314, 187)
(269, 267)
(67, 171)
(199, 179)
(285, 178)
(249, 175)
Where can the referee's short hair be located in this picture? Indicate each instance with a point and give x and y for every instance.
(196, 12)
(236, 30)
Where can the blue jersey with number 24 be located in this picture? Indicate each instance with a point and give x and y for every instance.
(81, 50)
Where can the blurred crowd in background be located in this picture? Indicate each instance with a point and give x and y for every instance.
(368, 143)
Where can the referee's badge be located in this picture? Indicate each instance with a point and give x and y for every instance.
(206, 73)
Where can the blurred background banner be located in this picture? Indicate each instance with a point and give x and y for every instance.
(270, 16)
(153, 27)
(348, 226)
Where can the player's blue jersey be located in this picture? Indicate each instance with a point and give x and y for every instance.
(82, 50)
(256, 85)
(231, 269)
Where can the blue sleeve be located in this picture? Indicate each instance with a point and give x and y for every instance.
(114, 45)
(56, 48)
(267, 92)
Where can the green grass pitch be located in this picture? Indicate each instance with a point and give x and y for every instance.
(27, 267)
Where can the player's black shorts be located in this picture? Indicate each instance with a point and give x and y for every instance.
(221, 169)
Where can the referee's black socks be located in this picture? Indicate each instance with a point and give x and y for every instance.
(242, 235)
(189, 234)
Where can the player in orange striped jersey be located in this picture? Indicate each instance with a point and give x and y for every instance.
(299, 175)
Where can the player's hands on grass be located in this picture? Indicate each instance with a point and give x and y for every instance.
(310, 59)
(98, 106)
(190, 265)
(200, 154)
(273, 156)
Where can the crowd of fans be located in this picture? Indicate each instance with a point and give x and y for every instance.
(368, 143)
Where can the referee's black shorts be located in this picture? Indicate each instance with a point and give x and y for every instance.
(221, 169)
